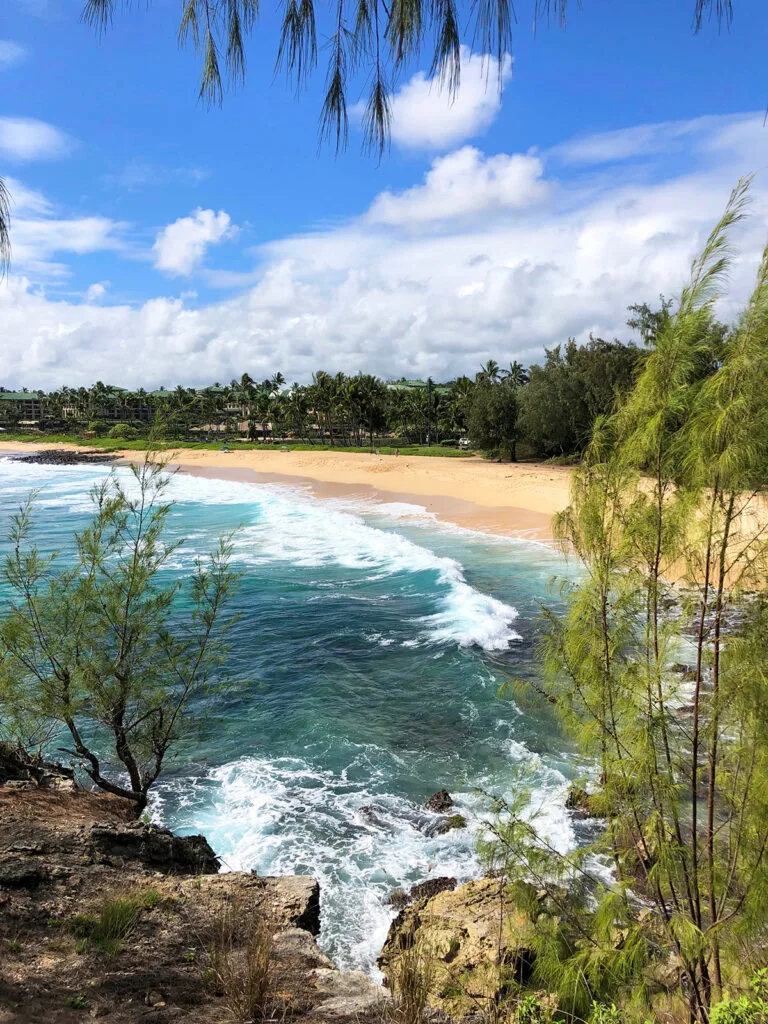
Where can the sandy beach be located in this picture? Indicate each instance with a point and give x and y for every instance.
(506, 498)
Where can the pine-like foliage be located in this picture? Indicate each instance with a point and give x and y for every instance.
(368, 41)
(671, 489)
(96, 653)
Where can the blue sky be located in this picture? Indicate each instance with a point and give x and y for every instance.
(156, 240)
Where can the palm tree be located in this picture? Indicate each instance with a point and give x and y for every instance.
(5, 229)
(489, 372)
(516, 375)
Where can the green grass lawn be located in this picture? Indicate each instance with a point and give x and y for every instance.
(112, 444)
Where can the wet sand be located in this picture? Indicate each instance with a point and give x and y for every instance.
(505, 498)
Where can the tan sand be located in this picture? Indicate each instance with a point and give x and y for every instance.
(515, 499)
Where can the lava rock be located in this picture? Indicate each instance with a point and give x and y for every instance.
(432, 886)
(446, 824)
(155, 847)
(17, 766)
(21, 873)
(440, 801)
(56, 457)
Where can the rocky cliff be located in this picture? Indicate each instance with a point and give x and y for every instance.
(471, 941)
(105, 917)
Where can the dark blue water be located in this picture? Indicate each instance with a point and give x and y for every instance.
(370, 647)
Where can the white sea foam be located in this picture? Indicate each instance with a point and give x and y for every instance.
(290, 526)
(286, 524)
(287, 816)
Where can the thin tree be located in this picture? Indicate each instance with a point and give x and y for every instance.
(669, 489)
(100, 647)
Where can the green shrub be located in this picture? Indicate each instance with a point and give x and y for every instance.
(124, 431)
(455, 821)
(105, 932)
(531, 1010)
(752, 1009)
(97, 427)
(76, 1001)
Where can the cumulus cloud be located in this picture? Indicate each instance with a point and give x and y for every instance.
(96, 291)
(426, 116)
(378, 296)
(24, 138)
(180, 247)
(11, 54)
(464, 183)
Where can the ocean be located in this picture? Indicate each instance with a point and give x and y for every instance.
(370, 646)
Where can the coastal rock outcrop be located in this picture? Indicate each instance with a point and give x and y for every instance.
(152, 846)
(68, 457)
(21, 769)
(440, 802)
(584, 804)
(105, 917)
(466, 935)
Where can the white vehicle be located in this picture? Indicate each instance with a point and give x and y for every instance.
(464, 442)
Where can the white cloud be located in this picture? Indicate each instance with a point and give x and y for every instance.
(96, 291)
(11, 54)
(138, 174)
(180, 247)
(644, 140)
(26, 200)
(38, 235)
(35, 241)
(23, 138)
(375, 295)
(426, 116)
(464, 183)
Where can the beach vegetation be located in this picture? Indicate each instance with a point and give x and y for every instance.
(97, 649)
(493, 415)
(545, 411)
(664, 684)
(104, 932)
(575, 386)
(241, 966)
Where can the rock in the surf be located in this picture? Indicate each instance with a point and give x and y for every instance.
(440, 802)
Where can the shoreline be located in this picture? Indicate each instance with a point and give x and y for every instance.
(507, 499)
(505, 520)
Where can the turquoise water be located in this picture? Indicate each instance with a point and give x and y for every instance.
(371, 644)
